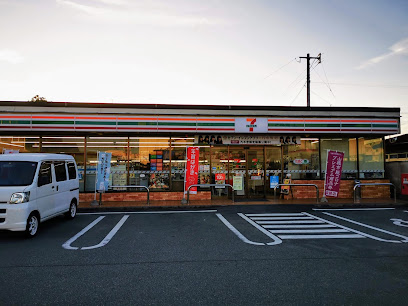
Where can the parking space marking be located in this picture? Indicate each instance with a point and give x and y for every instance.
(405, 239)
(108, 237)
(67, 244)
(150, 212)
(400, 222)
(340, 209)
(237, 232)
(302, 226)
(275, 239)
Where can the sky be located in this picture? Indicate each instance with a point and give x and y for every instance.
(214, 52)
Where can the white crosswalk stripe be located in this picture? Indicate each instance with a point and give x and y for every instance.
(301, 226)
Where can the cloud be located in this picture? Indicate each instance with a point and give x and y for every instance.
(399, 48)
(10, 56)
(127, 14)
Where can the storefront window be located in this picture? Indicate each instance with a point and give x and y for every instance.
(204, 174)
(178, 161)
(349, 148)
(219, 164)
(67, 145)
(302, 161)
(371, 158)
(149, 162)
(118, 146)
(273, 167)
(19, 144)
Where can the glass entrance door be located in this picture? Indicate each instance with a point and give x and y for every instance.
(237, 170)
(246, 171)
(256, 172)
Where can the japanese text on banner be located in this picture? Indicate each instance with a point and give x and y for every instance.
(193, 154)
(333, 173)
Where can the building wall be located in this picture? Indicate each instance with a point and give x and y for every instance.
(346, 189)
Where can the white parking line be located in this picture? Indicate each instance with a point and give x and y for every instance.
(109, 236)
(149, 212)
(67, 244)
(340, 209)
(275, 239)
(320, 236)
(236, 232)
(405, 239)
(280, 218)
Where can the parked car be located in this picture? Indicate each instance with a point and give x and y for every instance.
(35, 187)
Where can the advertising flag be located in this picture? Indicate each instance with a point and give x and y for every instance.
(333, 173)
(193, 154)
(103, 171)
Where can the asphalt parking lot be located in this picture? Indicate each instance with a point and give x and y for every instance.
(245, 255)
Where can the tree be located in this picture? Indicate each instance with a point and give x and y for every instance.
(37, 98)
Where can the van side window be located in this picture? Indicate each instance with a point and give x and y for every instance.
(71, 171)
(44, 175)
(60, 172)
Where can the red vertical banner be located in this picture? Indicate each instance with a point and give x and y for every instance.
(333, 173)
(193, 154)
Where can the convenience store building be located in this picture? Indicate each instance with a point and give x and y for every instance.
(254, 144)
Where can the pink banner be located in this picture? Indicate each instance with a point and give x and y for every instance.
(193, 154)
(333, 173)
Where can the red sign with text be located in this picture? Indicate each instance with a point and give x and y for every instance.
(193, 154)
(333, 173)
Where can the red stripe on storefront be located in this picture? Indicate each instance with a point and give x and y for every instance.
(15, 117)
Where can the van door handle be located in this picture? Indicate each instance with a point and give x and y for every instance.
(57, 188)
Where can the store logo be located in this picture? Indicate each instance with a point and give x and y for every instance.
(251, 124)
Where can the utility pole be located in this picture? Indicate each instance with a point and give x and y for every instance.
(308, 57)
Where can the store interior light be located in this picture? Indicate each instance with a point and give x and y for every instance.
(10, 144)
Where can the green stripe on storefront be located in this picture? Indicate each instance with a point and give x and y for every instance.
(52, 122)
(15, 121)
(215, 124)
(95, 122)
(136, 123)
(385, 125)
(177, 123)
(322, 125)
(285, 124)
(356, 125)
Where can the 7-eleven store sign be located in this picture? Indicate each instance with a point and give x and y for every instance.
(251, 125)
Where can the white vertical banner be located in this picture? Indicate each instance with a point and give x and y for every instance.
(103, 171)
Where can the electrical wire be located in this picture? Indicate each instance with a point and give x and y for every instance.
(279, 69)
(304, 85)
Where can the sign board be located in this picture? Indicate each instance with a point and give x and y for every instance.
(220, 179)
(193, 154)
(103, 171)
(273, 181)
(333, 173)
(300, 161)
(286, 189)
(251, 125)
(248, 139)
(237, 182)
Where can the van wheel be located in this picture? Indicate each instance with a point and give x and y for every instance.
(33, 223)
(71, 213)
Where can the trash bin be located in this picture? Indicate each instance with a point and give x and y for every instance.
(358, 191)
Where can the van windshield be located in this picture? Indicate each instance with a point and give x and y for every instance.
(17, 173)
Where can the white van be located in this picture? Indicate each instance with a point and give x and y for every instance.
(35, 187)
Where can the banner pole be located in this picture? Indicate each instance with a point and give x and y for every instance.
(95, 202)
(184, 200)
(324, 199)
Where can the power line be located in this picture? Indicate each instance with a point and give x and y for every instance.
(279, 68)
(367, 85)
(298, 94)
